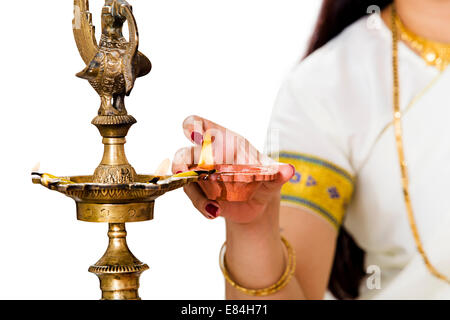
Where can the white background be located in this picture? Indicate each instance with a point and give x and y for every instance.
(223, 60)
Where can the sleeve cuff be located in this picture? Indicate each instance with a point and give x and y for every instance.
(319, 185)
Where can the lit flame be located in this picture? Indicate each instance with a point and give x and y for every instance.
(206, 156)
(47, 179)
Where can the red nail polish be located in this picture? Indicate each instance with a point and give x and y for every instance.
(212, 209)
(178, 172)
(293, 169)
(197, 137)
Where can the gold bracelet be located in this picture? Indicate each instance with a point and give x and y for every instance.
(284, 280)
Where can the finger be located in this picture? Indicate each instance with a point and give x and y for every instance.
(210, 209)
(194, 128)
(285, 173)
(185, 158)
(228, 146)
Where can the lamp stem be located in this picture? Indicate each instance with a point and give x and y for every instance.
(118, 270)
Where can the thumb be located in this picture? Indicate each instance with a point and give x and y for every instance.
(285, 173)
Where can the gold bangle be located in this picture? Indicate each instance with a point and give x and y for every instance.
(284, 280)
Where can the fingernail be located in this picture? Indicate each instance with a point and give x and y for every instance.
(178, 172)
(212, 209)
(293, 168)
(197, 137)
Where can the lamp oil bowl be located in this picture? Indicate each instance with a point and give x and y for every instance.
(114, 203)
(114, 193)
(235, 182)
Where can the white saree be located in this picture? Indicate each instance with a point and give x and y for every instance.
(334, 117)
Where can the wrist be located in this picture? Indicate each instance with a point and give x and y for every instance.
(255, 254)
(264, 225)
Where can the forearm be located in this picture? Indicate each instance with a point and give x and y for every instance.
(256, 257)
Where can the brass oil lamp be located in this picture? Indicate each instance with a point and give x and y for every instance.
(115, 193)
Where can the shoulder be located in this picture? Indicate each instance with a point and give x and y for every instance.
(344, 75)
(352, 54)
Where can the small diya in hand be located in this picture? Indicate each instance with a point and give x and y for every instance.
(230, 182)
(234, 182)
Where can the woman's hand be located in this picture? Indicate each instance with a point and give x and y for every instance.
(255, 255)
(228, 148)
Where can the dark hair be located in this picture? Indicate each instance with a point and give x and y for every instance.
(348, 266)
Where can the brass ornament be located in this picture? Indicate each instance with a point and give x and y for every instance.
(114, 64)
(114, 193)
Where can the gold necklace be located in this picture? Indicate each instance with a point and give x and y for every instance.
(434, 53)
(401, 153)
